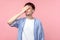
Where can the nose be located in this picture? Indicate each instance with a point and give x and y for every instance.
(28, 10)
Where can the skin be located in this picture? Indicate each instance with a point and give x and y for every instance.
(28, 12)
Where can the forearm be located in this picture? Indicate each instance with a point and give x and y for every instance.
(14, 18)
(19, 14)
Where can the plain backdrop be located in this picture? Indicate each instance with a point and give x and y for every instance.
(48, 11)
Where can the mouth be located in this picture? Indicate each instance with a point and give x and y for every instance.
(27, 14)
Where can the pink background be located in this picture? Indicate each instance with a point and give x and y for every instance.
(48, 11)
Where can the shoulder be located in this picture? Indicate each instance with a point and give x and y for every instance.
(21, 19)
(37, 20)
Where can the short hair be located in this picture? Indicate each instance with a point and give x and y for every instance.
(30, 4)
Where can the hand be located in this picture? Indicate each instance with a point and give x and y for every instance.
(25, 8)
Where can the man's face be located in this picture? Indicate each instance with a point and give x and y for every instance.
(29, 11)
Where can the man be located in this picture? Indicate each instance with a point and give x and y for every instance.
(29, 28)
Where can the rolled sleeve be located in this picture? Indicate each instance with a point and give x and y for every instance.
(15, 23)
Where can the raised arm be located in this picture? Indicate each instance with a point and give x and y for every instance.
(11, 20)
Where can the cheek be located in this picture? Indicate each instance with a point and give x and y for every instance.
(29, 11)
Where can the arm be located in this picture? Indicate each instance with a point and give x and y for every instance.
(11, 20)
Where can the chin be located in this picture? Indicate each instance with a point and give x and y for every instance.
(27, 14)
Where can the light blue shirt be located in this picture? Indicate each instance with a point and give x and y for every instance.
(38, 30)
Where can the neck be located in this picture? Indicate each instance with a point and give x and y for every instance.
(30, 17)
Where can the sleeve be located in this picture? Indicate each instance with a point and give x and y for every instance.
(15, 23)
(40, 32)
